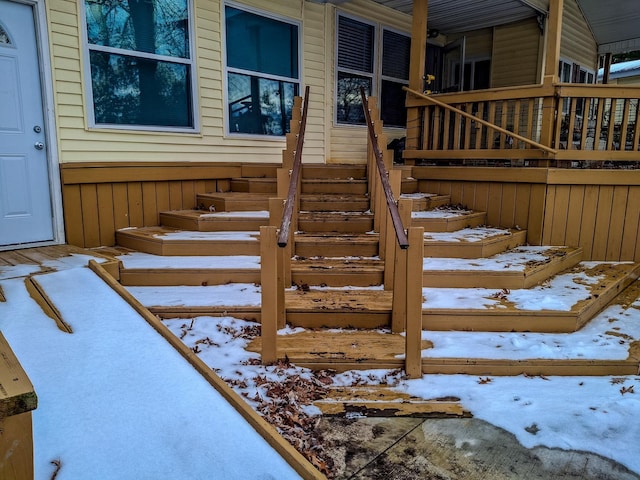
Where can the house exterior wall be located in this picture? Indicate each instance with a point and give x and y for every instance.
(578, 44)
(516, 54)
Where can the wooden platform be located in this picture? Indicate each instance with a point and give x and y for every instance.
(338, 272)
(233, 201)
(482, 246)
(214, 222)
(340, 222)
(169, 241)
(334, 245)
(532, 273)
(452, 223)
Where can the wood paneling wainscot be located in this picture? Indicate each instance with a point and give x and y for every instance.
(99, 198)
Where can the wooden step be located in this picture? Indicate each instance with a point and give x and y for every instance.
(447, 220)
(146, 270)
(328, 245)
(594, 285)
(408, 185)
(254, 185)
(233, 201)
(334, 202)
(339, 222)
(522, 267)
(335, 171)
(338, 272)
(172, 242)
(197, 220)
(333, 185)
(383, 401)
(327, 308)
(427, 201)
(477, 242)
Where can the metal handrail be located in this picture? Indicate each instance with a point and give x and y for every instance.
(287, 215)
(482, 122)
(401, 234)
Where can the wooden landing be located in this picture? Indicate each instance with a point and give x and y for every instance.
(214, 222)
(531, 273)
(451, 223)
(308, 245)
(473, 243)
(169, 241)
(233, 201)
(380, 401)
(361, 350)
(506, 317)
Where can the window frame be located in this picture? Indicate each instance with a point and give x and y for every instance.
(190, 62)
(226, 69)
(376, 76)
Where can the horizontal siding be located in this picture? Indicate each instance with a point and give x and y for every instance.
(578, 44)
(516, 50)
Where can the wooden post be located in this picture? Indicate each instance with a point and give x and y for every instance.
(269, 287)
(276, 209)
(550, 76)
(417, 59)
(17, 400)
(606, 69)
(388, 242)
(413, 339)
(399, 302)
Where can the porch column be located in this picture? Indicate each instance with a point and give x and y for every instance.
(550, 75)
(417, 60)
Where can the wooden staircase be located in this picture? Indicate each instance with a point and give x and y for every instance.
(337, 275)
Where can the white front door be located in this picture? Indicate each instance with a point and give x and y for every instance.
(26, 214)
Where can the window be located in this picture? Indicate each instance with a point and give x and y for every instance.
(4, 36)
(262, 72)
(574, 73)
(377, 62)
(141, 64)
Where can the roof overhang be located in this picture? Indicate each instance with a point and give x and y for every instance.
(614, 24)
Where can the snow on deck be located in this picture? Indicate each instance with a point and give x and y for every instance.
(514, 260)
(219, 236)
(476, 234)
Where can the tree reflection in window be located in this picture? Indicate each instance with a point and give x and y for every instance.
(4, 36)
(140, 62)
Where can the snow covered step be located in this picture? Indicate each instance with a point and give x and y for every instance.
(338, 271)
(426, 201)
(447, 219)
(145, 269)
(328, 245)
(565, 303)
(521, 267)
(608, 345)
(240, 300)
(214, 221)
(174, 242)
(477, 242)
(233, 201)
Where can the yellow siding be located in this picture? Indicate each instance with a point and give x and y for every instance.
(516, 49)
(348, 144)
(78, 143)
(578, 44)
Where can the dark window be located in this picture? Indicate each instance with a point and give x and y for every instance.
(262, 72)
(141, 67)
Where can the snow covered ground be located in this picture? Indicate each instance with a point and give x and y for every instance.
(117, 402)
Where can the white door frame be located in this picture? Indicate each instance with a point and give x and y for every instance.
(46, 82)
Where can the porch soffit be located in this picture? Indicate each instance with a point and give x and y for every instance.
(614, 23)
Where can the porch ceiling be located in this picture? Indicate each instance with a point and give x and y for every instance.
(614, 23)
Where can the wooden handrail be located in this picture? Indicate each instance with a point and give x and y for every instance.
(285, 225)
(401, 234)
(482, 122)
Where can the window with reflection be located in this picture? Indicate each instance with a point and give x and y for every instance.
(262, 55)
(141, 62)
(4, 36)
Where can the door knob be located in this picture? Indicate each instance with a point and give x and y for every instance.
(39, 145)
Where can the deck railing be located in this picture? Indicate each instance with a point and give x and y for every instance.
(533, 125)
(402, 250)
(276, 244)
